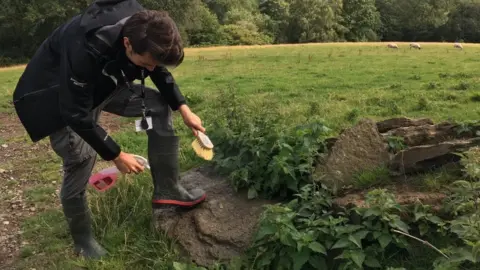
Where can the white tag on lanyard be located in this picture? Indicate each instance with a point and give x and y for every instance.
(146, 122)
(138, 124)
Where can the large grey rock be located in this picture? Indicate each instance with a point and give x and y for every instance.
(218, 230)
(427, 134)
(393, 123)
(425, 157)
(357, 149)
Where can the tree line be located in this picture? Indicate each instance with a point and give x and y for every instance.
(24, 24)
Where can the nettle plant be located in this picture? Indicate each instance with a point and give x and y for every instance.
(465, 194)
(308, 233)
(463, 205)
(259, 153)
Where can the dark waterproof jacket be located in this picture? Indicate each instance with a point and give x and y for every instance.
(77, 69)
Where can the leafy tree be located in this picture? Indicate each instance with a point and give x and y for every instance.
(205, 29)
(412, 20)
(362, 20)
(277, 16)
(24, 24)
(222, 7)
(464, 22)
(315, 21)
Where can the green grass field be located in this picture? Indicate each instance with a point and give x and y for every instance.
(336, 83)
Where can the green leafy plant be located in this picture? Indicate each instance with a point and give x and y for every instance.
(396, 144)
(471, 162)
(467, 127)
(184, 266)
(424, 218)
(254, 150)
(307, 234)
(463, 205)
(465, 194)
(466, 228)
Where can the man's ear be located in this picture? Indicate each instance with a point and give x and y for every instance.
(126, 43)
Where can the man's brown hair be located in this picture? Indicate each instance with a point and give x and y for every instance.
(155, 32)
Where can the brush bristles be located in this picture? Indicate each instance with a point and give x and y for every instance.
(201, 151)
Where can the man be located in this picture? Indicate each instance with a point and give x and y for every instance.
(88, 65)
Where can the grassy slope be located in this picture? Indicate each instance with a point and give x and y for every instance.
(335, 82)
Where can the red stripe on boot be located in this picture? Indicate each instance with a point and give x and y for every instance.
(181, 203)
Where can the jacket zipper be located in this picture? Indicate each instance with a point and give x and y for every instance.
(34, 93)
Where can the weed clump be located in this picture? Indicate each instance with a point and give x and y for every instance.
(353, 115)
(258, 153)
(423, 104)
(462, 86)
(475, 98)
(415, 77)
(432, 85)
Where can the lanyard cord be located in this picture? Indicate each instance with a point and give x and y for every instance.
(144, 108)
(143, 123)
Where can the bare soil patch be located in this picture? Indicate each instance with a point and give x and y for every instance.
(16, 177)
(10, 127)
(404, 195)
(110, 122)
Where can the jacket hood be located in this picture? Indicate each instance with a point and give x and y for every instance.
(110, 34)
(107, 12)
(102, 24)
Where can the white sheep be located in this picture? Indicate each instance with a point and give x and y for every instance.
(392, 45)
(415, 46)
(458, 45)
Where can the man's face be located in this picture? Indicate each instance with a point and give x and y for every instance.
(143, 60)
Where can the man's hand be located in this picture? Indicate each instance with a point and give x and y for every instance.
(191, 120)
(127, 163)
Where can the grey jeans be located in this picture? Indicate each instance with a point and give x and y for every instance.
(79, 157)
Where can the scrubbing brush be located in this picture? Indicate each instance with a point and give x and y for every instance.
(202, 146)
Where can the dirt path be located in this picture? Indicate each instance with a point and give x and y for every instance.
(17, 179)
(14, 180)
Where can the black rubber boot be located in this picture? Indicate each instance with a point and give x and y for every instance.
(163, 160)
(80, 224)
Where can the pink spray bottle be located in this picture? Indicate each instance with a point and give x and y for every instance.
(106, 178)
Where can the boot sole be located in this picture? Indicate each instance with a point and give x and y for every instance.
(184, 204)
